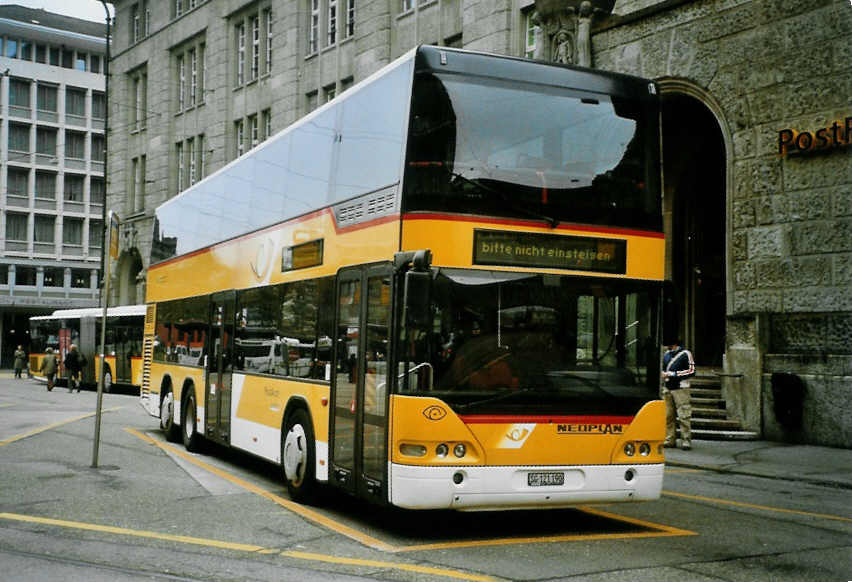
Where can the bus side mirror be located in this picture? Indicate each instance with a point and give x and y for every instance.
(417, 300)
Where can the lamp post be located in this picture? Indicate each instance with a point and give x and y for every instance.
(108, 228)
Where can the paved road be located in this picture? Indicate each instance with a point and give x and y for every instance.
(152, 511)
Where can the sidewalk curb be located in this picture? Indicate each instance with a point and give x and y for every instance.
(775, 476)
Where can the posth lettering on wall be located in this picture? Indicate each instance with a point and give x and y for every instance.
(837, 135)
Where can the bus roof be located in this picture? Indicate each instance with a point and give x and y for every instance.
(118, 311)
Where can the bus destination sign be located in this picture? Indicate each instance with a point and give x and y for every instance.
(578, 253)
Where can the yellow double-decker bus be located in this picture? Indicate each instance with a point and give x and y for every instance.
(440, 290)
(123, 343)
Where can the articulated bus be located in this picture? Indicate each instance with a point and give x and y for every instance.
(123, 343)
(442, 289)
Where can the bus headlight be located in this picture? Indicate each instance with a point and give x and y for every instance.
(412, 450)
(629, 449)
(442, 450)
(644, 449)
(459, 450)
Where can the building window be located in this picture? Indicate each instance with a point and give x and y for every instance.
(45, 185)
(311, 101)
(46, 98)
(240, 32)
(19, 137)
(193, 77)
(17, 183)
(178, 8)
(346, 84)
(97, 191)
(332, 22)
(19, 93)
(75, 145)
(407, 5)
(190, 152)
(531, 31)
(95, 63)
(255, 47)
(267, 17)
(137, 185)
(67, 59)
(239, 137)
(202, 155)
(96, 235)
(328, 93)
(72, 231)
(139, 111)
(53, 56)
(11, 48)
(75, 102)
(25, 276)
(80, 61)
(266, 119)
(313, 27)
(181, 67)
(349, 30)
(16, 227)
(46, 141)
(98, 148)
(73, 188)
(98, 105)
(41, 53)
(180, 166)
(54, 276)
(254, 130)
(44, 229)
(136, 27)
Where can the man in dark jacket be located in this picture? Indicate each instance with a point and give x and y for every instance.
(678, 367)
(74, 362)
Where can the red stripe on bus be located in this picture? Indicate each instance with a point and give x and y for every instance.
(526, 223)
(542, 419)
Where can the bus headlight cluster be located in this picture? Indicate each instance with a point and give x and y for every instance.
(459, 450)
(442, 450)
(412, 450)
(630, 449)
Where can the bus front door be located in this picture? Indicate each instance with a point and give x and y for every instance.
(219, 356)
(361, 381)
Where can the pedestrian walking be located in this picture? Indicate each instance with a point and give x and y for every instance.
(48, 367)
(74, 363)
(678, 367)
(20, 361)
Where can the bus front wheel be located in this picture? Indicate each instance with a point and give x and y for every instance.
(167, 418)
(191, 438)
(298, 457)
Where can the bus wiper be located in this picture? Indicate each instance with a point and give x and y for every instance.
(497, 398)
(477, 183)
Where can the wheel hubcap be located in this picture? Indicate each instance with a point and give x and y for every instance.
(295, 455)
(189, 421)
(166, 410)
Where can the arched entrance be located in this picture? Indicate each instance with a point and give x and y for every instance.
(694, 175)
(129, 267)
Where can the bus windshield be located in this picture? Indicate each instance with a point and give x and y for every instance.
(513, 343)
(556, 154)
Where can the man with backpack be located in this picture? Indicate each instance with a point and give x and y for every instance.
(678, 367)
(74, 363)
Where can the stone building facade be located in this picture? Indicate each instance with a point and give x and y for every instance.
(759, 242)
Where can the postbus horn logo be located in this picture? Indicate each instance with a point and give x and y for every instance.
(262, 260)
(434, 412)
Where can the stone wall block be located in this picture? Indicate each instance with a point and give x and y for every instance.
(843, 269)
(654, 51)
(744, 213)
(628, 57)
(767, 176)
(774, 273)
(768, 102)
(816, 94)
(807, 271)
(745, 276)
(813, 61)
(817, 25)
(729, 22)
(839, 330)
(743, 177)
(764, 301)
(817, 170)
(810, 299)
(842, 198)
(771, 210)
(810, 205)
(705, 65)
(739, 245)
(822, 237)
(740, 331)
(744, 143)
(769, 241)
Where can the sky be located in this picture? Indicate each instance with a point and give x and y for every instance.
(85, 9)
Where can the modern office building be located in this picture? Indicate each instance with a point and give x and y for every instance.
(52, 186)
(758, 172)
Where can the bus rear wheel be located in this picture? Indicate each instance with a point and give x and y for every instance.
(191, 437)
(298, 457)
(167, 418)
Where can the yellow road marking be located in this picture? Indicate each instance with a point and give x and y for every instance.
(676, 471)
(753, 506)
(369, 541)
(305, 512)
(54, 425)
(221, 544)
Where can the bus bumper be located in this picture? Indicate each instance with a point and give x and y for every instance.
(484, 488)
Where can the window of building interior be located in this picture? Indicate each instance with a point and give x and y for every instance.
(349, 29)
(531, 29)
(96, 235)
(267, 19)
(239, 137)
(95, 63)
(44, 228)
(80, 277)
(193, 76)
(75, 145)
(46, 98)
(53, 56)
(97, 191)
(240, 36)
(254, 130)
(255, 47)
(75, 102)
(181, 71)
(138, 112)
(25, 275)
(41, 53)
(98, 148)
(311, 101)
(98, 105)
(181, 171)
(73, 189)
(190, 154)
(331, 22)
(19, 138)
(17, 182)
(45, 185)
(72, 231)
(81, 61)
(266, 120)
(328, 93)
(313, 27)
(46, 140)
(19, 93)
(16, 227)
(54, 276)
(11, 48)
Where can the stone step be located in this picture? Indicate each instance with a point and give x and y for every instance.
(702, 412)
(724, 435)
(707, 402)
(715, 424)
(706, 392)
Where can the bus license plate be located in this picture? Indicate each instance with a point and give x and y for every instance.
(545, 479)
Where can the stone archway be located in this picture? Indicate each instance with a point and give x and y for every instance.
(129, 269)
(696, 177)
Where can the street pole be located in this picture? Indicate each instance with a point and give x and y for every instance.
(112, 244)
